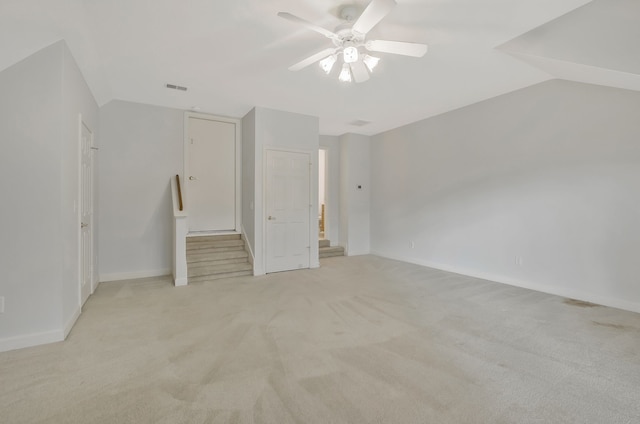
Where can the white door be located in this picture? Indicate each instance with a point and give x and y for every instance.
(211, 175)
(86, 213)
(287, 207)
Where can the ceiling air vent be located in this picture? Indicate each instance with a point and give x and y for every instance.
(359, 123)
(176, 87)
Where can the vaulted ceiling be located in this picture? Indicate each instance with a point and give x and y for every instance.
(234, 54)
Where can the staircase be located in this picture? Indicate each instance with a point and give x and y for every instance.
(214, 257)
(326, 251)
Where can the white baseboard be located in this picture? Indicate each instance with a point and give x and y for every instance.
(119, 276)
(72, 321)
(179, 282)
(246, 243)
(557, 291)
(357, 253)
(30, 340)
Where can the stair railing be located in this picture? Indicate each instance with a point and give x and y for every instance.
(180, 230)
(180, 193)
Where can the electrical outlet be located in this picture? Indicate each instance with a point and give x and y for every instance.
(518, 260)
(1, 304)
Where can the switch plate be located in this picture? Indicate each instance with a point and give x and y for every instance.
(1, 304)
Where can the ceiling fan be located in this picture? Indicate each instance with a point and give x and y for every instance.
(350, 43)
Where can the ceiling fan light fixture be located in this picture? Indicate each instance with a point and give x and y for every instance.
(345, 74)
(370, 61)
(350, 43)
(327, 63)
(350, 54)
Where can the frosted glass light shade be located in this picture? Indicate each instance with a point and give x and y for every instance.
(345, 74)
(370, 61)
(327, 63)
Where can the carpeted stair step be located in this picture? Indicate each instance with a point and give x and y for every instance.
(215, 257)
(197, 245)
(195, 257)
(214, 250)
(326, 251)
(205, 239)
(214, 269)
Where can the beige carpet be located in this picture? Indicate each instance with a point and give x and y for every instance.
(360, 340)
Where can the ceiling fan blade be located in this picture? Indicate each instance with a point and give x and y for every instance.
(311, 59)
(359, 71)
(309, 25)
(397, 47)
(373, 14)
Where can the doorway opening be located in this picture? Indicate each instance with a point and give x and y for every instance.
(322, 194)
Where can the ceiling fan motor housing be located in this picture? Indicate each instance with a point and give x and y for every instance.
(349, 13)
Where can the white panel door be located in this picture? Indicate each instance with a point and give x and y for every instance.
(287, 207)
(86, 214)
(211, 175)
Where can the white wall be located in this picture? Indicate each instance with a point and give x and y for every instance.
(332, 189)
(249, 179)
(41, 99)
(538, 188)
(141, 149)
(285, 130)
(355, 193)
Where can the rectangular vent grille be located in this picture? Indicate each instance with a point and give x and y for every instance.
(359, 123)
(176, 87)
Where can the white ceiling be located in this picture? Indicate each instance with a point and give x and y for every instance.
(234, 54)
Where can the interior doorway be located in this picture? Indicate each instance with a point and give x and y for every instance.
(212, 179)
(86, 212)
(287, 210)
(322, 194)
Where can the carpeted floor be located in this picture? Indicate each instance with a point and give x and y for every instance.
(360, 340)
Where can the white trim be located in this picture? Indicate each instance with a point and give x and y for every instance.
(119, 276)
(79, 211)
(211, 233)
(29, 340)
(94, 220)
(179, 238)
(360, 253)
(327, 190)
(92, 228)
(557, 291)
(71, 322)
(252, 257)
(238, 132)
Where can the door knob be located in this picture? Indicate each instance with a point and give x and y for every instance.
(192, 178)
(271, 218)
(83, 225)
